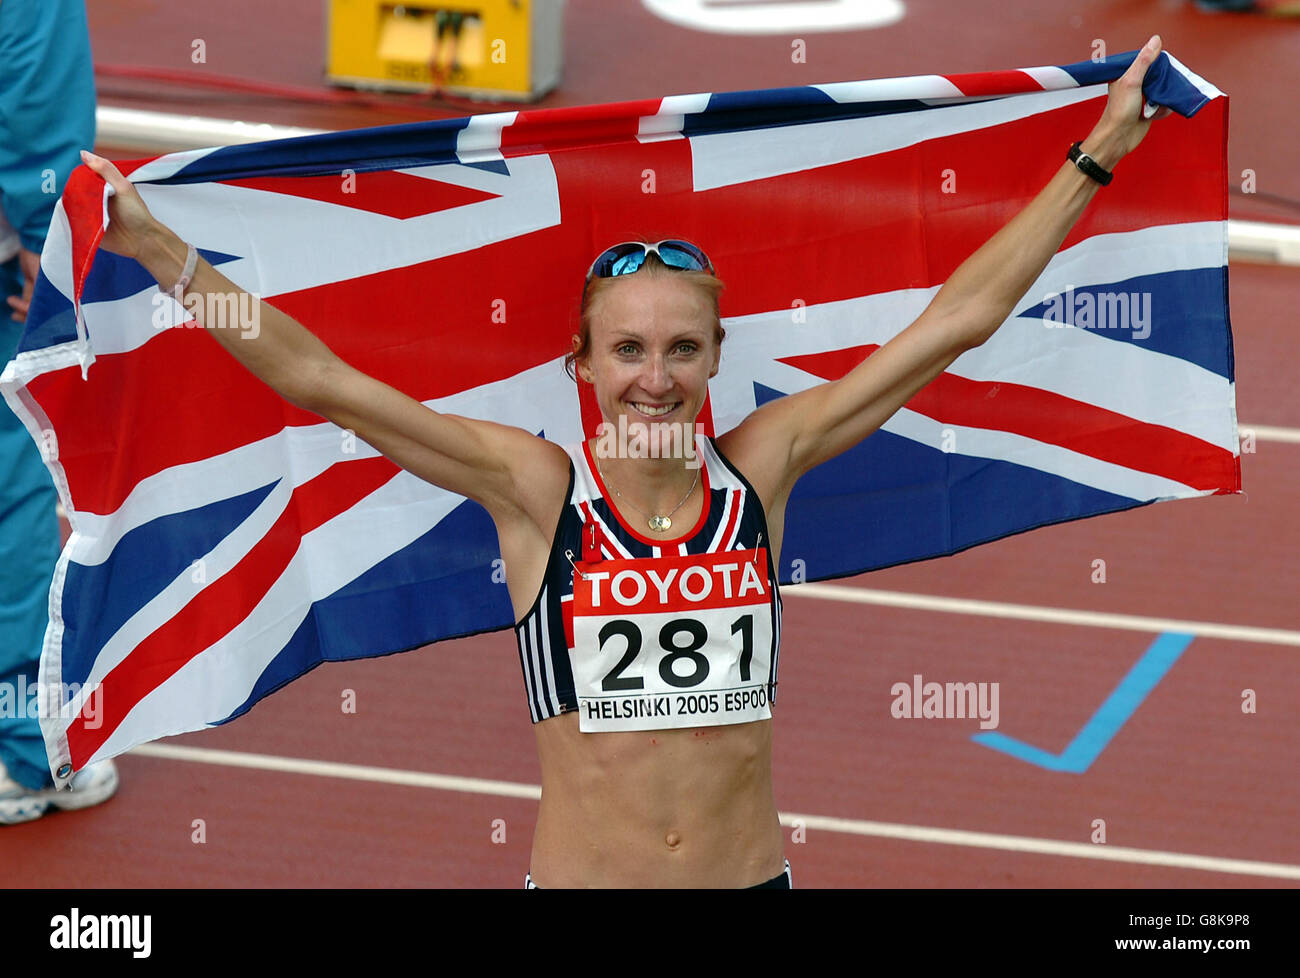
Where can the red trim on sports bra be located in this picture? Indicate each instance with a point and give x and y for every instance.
(652, 541)
(732, 520)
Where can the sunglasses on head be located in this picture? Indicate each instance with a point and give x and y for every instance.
(629, 256)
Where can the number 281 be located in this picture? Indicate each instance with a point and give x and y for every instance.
(697, 635)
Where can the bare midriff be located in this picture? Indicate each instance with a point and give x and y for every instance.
(659, 808)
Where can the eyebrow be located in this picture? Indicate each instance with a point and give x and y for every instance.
(619, 337)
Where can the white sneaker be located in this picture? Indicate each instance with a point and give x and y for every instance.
(90, 786)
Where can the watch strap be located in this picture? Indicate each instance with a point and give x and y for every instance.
(1088, 165)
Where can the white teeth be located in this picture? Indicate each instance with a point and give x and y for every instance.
(646, 409)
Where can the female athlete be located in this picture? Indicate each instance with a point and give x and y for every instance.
(662, 566)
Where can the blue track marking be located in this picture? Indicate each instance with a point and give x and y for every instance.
(1106, 722)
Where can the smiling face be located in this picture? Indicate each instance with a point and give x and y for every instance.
(652, 349)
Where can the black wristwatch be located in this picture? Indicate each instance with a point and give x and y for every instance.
(1088, 165)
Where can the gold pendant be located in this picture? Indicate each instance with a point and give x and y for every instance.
(660, 523)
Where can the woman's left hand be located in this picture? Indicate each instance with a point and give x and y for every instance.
(1122, 127)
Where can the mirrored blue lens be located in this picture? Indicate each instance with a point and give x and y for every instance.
(626, 258)
(626, 264)
(622, 259)
(681, 254)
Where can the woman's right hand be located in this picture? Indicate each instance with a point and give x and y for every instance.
(129, 222)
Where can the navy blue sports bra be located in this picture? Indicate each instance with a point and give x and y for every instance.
(733, 520)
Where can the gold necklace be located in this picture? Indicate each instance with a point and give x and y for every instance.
(657, 523)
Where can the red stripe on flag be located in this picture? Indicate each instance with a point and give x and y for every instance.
(127, 167)
(995, 83)
(389, 192)
(227, 601)
(808, 251)
(581, 125)
(177, 399)
(1053, 419)
(83, 203)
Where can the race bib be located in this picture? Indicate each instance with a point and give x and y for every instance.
(672, 641)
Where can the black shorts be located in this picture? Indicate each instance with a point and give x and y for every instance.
(782, 881)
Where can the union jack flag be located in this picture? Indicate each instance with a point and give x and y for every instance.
(224, 542)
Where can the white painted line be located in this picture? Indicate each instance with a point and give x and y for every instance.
(1030, 612)
(169, 132)
(774, 17)
(333, 769)
(884, 830)
(1046, 847)
(1267, 433)
(1261, 242)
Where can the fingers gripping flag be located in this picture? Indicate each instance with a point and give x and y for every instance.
(225, 542)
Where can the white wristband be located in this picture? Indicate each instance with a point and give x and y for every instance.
(177, 291)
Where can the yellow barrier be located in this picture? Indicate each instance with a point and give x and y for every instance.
(490, 49)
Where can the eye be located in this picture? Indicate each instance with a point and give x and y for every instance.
(626, 349)
(687, 346)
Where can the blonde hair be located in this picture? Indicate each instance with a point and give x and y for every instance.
(653, 267)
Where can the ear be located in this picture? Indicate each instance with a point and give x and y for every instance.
(579, 366)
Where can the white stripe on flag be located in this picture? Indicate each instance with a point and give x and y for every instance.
(220, 678)
(726, 159)
(250, 223)
(1074, 363)
(480, 140)
(169, 165)
(1051, 77)
(312, 450)
(183, 589)
(892, 89)
(1003, 446)
(1022, 450)
(1207, 88)
(668, 121)
(56, 256)
(540, 398)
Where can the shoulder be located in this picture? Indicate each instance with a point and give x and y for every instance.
(753, 455)
(540, 472)
(757, 451)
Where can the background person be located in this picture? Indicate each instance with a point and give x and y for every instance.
(47, 113)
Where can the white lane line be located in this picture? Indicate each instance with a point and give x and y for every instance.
(169, 132)
(885, 830)
(1264, 432)
(333, 769)
(1262, 241)
(1046, 847)
(1030, 612)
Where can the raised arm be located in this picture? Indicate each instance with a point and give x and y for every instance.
(481, 460)
(820, 423)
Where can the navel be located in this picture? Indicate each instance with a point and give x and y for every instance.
(673, 839)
